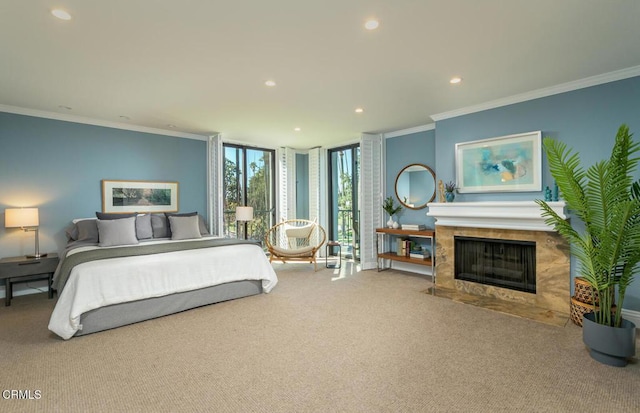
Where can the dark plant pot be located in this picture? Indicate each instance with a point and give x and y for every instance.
(450, 196)
(609, 345)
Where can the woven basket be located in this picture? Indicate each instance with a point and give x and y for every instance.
(582, 291)
(578, 309)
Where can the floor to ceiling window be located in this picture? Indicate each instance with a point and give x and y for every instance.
(249, 180)
(344, 175)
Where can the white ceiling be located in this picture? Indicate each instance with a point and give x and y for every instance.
(201, 64)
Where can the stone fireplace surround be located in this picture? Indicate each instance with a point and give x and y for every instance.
(509, 220)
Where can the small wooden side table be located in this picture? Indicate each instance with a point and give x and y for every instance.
(328, 250)
(14, 270)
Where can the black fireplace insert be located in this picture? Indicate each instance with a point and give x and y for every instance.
(502, 263)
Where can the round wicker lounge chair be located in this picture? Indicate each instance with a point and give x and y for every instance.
(295, 240)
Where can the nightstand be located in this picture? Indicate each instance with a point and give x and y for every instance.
(15, 270)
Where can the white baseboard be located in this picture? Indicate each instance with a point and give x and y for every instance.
(633, 316)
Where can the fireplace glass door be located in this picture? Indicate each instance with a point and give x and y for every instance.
(502, 263)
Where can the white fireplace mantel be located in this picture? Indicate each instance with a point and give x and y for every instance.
(519, 215)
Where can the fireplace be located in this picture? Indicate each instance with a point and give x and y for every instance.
(501, 263)
(546, 290)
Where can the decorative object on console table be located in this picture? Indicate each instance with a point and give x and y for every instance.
(391, 209)
(28, 220)
(508, 163)
(244, 214)
(16, 270)
(400, 247)
(449, 189)
(606, 199)
(139, 196)
(416, 251)
(414, 227)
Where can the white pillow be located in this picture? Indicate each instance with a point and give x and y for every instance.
(113, 232)
(294, 231)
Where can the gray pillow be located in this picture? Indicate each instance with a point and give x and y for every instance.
(203, 226)
(159, 226)
(184, 227)
(87, 230)
(104, 216)
(117, 232)
(144, 230)
(184, 214)
(71, 231)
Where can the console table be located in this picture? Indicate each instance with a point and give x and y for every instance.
(384, 236)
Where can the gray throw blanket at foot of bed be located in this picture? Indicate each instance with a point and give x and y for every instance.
(64, 269)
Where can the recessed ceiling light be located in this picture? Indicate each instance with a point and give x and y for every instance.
(455, 80)
(371, 24)
(64, 107)
(297, 129)
(123, 117)
(359, 110)
(61, 14)
(171, 125)
(270, 83)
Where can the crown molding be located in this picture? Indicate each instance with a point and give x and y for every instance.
(97, 122)
(409, 131)
(540, 93)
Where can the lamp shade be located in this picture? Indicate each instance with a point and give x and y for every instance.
(21, 217)
(244, 213)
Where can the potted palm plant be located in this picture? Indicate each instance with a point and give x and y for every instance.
(607, 244)
(391, 209)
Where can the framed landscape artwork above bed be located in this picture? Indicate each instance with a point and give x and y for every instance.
(139, 196)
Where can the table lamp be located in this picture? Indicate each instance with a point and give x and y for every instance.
(27, 219)
(244, 214)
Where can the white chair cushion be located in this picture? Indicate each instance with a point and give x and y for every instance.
(290, 252)
(294, 231)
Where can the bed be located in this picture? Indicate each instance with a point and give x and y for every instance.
(102, 286)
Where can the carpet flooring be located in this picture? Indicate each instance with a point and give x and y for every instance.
(330, 341)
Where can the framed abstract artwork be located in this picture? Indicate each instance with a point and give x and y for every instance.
(139, 196)
(505, 164)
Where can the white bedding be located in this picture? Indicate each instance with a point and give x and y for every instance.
(101, 283)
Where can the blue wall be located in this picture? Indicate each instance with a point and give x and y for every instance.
(58, 167)
(400, 152)
(586, 120)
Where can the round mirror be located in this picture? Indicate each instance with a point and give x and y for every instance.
(416, 186)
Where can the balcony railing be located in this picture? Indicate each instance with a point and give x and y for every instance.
(348, 232)
(256, 229)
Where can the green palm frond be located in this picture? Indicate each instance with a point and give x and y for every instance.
(635, 190)
(569, 175)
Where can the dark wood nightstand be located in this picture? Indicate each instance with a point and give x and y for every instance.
(14, 270)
